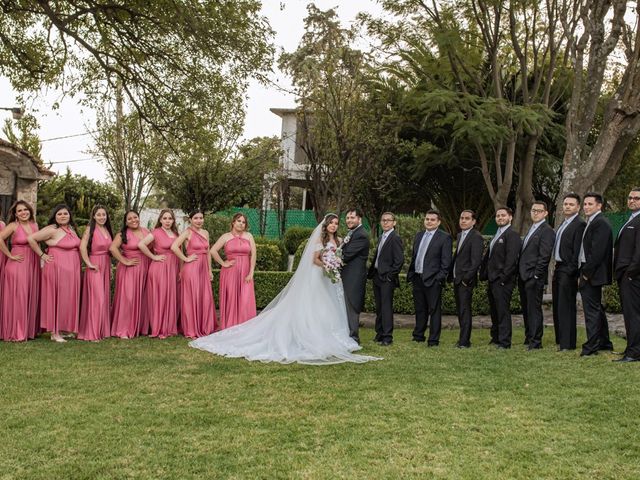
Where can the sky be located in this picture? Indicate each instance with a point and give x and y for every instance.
(73, 122)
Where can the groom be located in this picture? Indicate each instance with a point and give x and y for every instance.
(355, 251)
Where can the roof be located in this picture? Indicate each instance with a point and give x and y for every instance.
(36, 163)
(283, 111)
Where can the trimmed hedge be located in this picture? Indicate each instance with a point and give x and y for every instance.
(277, 259)
(294, 236)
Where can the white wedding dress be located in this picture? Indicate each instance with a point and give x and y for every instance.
(305, 323)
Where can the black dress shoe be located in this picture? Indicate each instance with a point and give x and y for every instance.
(377, 338)
(588, 354)
(386, 343)
(607, 348)
(565, 349)
(463, 346)
(626, 359)
(534, 347)
(419, 340)
(432, 345)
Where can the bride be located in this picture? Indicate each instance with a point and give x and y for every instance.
(305, 323)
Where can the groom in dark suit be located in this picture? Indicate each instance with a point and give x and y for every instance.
(428, 272)
(355, 251)
(384, 270)
(464, 272)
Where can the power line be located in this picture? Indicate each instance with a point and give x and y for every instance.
(73, 161)
(67, 136)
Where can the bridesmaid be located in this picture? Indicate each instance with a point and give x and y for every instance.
(197, 312)
(162, 280)
(60, 292)
(95, 314)
(3, 259)
(128, 315)
(237, 297)
(21, 276)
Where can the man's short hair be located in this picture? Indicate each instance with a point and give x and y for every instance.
(575, 196)
(473, 214)
(506, 209)
(433, 212)
(389, 214)
(541, 202)
(356, 210)
(596, 196)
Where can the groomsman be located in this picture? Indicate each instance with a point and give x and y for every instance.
(384, 270)
(499, 267)
(565, 275)
(533, 268)
(464, 272)
(627, 271)
(428, 271)
(596, 251)
(355, 251)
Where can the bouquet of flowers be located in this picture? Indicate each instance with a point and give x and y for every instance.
(332, 262)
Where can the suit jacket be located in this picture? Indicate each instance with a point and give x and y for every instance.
(354, 273)
(390, 259)
(501, 263)
(536, 255)
(467, 259)
(437, 259)
(570, 247)
(627, 251)
(598, 251)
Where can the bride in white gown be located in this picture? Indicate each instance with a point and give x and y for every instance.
(305, 323)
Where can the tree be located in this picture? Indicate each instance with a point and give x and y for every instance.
(176, 60)
(26, 136)
(340, 135)
(77, 191)
(591, 161)
(261, 155)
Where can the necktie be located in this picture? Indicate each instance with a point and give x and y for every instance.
(422, 250)
(556, 248)
(529, 233)
(494, 239)
(382, 240)
(463, 235)
(581, 256)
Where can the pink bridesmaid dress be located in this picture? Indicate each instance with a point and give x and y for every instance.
(60, 292)
(162, 288)
(237, 298)
(198, 313)
(2, 262)
(95, 315)
(129, 318)
(21, 284)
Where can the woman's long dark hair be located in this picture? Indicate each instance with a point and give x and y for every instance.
(14, 207)
(92, 225)
(123, 231)
(324, 236)
(54, 212)
(174, 227)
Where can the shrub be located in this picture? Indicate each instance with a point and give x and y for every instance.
(611, 298)
(298, 255)
(294, 236)
(268, 257)
(216, 225)
(283, 256)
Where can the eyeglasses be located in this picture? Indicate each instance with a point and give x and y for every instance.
(635, 199)
(387, 220)
(537, 210)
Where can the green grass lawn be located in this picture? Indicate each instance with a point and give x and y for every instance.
(148, 408)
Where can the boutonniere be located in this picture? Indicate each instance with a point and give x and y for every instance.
(347, 238)
(501, 240)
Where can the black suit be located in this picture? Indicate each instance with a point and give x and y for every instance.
(355, 251)
(464, 275)
(499, 267)
(565, 284)
(597, 242)
(627, 271)
(533, 268)
(385, 279)
(427, 287)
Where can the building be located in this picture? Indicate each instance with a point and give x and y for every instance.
(293, 161)
(19, 176)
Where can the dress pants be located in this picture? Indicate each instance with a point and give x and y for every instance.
(383, 294)
(353, 319)
(428, 305)
(464, 296)
(500, 306)
(630, 299)
(531, 292)
(595, 320)
(564, 290)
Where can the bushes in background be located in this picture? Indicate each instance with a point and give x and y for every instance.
(294, 236)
